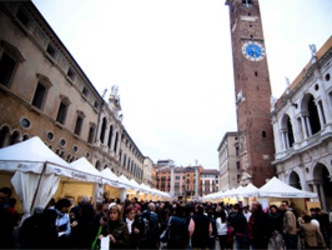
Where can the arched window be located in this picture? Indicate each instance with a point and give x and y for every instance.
(110, 137)
(116, 141)
(4, 136)
(309, 112)
(92, 131)
(313, 116)
(63, 108)
(287, 132)
(294, 180)
(10, 57)
(103, 130)
(15, 138)
(79, 122)
(97, 165)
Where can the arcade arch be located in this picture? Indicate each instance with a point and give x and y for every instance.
(287, 132)
(294, 180)
(323, 185)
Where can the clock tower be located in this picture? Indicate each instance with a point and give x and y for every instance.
(253, 92)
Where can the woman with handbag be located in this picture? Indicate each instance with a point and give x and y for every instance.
(312, 236)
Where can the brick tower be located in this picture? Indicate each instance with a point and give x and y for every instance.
(253, 92)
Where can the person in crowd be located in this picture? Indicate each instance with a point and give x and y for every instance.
(312, 235)
(38, 231)
(324, 224)
(148, 227)
(221, 224)
(200, 229)
(246, 213)
(87, 226)
(134, 204)
(259, 227)
(62, 222)
(239, 224)
(275, 217)
(76, 209)
(116, 229)
(289, 226)
(96, 244)
(7, 219)
(179, 235)
(210, 214)
(132, 230)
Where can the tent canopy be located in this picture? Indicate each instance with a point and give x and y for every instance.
(82, 164)
(278, 189)
(29, 156)
(109, 178)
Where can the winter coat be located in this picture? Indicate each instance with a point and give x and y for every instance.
(119, 231)
(289, 223)
(312, 235)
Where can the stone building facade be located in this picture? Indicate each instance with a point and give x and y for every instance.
(302, 124)
(147, 171)
(229, 163)
(45, 93)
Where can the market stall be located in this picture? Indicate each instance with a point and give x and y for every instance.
(34, 171)
(112, 187)
(275, 191)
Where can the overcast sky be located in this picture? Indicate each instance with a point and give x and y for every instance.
(172, 62)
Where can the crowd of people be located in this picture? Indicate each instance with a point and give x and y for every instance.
(156, 225)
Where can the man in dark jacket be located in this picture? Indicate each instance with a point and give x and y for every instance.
(200, 229)
(239, 223)
(261, 229)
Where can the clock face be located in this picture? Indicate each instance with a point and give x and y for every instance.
(253, 51)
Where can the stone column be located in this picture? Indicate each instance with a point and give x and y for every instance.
(322, 197)
(320, 115)
(172, 181)
(308, 126)
(277, 136)
(325, 101)
(196, 184)
(284, 140)
(315, 189)
(304, 127)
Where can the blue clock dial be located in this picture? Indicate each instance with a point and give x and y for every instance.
(253, 51)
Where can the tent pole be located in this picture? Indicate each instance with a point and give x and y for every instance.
(37, 189)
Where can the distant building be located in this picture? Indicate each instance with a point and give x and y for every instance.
(209, 181)
(229, 162)
(164, 179)
(165, 163)
(187, 181)
(302, 124)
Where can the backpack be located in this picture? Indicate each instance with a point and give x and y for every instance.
(144, 225)
(179, 230)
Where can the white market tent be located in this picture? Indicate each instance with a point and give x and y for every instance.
(112, 186)
(278, 189)
(249, 191)
(82, 164)
(31, 167)
(274, 188)
(78, 189)
(109, 178)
